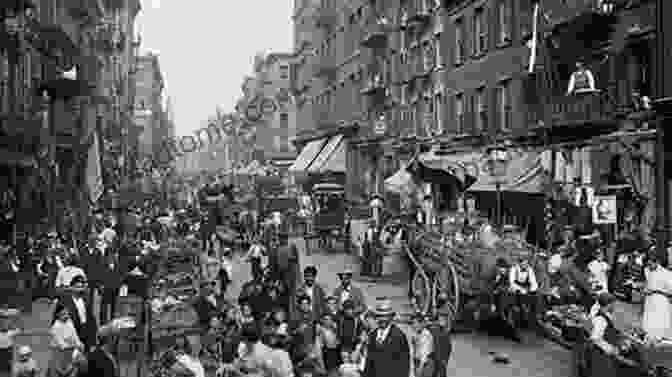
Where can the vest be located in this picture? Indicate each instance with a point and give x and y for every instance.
(581, 81)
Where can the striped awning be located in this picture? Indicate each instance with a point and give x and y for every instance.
(326, 154)
(307, 155)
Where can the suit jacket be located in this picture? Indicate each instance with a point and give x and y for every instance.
(356, 296)
(205, 310)
(319, 300)
(94, 266)
(113, 277)
(389, 359)
(88, 331)
(102, 364)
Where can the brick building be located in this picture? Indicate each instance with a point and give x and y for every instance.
(149, 103)
(54, 97)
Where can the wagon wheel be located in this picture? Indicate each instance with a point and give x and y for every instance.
(446, 282)
(421, 289)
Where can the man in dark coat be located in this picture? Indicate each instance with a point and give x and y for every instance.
(75, 300)
(111, 281)
(310, 288)
(443, 342)
(288, 264)
(388, 350)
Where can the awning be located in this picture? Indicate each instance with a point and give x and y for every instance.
(337, 162)
(328, 188)
(318, 164)
(464, 167)
(400, 182)
(527, 173)
(307, 155)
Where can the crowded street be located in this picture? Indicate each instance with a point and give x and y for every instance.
(335, 188)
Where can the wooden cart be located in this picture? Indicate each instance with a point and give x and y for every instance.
(449, 272)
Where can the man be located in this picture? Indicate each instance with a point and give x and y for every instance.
(82, 311)
(388, 352)
(111, 281)
(252, 353)
(206, 305)
(347, 292)
(369, 249)
(93, 260)
(524, 286)
(302, 328)
(423, 346)
(288, 264)
(310, 288)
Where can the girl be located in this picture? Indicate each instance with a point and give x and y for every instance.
(66, 347)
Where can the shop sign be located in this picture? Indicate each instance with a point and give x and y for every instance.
(604, 209)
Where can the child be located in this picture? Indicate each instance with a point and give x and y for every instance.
(349, 326)
(25, 366)
(246, 315)
(7, 334)
(327, 336)
(349, 367)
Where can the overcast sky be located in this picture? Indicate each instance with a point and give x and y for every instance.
(206, 47)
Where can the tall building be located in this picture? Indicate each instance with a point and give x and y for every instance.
(149, 88)
(270, 87)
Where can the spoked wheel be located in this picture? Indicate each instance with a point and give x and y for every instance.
(421, 291)
(446, 283)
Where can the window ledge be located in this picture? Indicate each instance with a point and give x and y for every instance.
(505, 43)
(479, 54)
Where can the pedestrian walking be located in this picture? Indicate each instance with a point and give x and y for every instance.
(346, 291)
(388, 351)
(313, 290)
(66, 346)
(25, 365)
(8, 332)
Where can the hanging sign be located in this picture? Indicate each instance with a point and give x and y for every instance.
(604, 209)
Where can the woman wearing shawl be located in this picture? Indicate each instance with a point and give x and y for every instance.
(66, 347)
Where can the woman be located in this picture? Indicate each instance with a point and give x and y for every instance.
(66, 347)
(657, 317)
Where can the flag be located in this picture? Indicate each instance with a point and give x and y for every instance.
(94, 176)
(532, 44)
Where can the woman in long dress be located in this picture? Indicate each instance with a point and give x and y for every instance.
(66, 347)
(657, 317)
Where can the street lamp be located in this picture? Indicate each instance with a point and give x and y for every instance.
(498, 162)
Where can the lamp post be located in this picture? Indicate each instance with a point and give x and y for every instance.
(498, 162)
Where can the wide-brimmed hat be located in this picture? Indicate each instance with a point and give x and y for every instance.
(383, 308)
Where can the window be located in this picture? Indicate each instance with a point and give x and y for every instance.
(480, 110)
(284, 121)
(504, 21)
(504, 105)
(480, 31)
(284, 72)
(459, 113)
(459, 41)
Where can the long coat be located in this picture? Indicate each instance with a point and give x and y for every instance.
(391, 358)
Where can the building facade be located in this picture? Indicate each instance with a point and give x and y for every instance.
(149, 103)
(54, 98)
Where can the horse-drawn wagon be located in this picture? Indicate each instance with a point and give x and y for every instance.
(450, 268)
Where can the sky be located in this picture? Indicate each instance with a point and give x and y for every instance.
(206, 47)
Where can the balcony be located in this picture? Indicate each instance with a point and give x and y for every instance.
(376, 36)
(326, 18)
(374, 86)
(574, 110)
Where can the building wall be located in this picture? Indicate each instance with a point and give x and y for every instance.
(148, 102)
